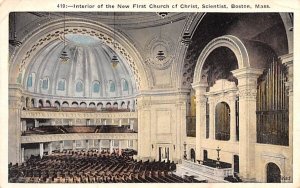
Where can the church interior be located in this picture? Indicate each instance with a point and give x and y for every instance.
(150, 97)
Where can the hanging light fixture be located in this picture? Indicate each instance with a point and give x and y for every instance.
(13, 41)
(161, 54)
(114, 59)
(64, 57)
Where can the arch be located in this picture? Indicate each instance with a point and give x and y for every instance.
(99, 106)
(32, 103)
(123, 105)
(115, 105)
(222, 121)
(57, 104)
(40, 104)
(229, 41)
(50, 31)
(83, 105)
(108, 105)
(74, 104)
(273, 173)
(48, 103)
(65, 104)
(92, 105)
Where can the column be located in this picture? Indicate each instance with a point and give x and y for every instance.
(50, 148)
(74, 145)
(24, 126)
(61, 146)
(14, 121)
(22, 155)
(232, 119)
(41, 150)
(111, 146)
(287, 60)
(131, 124)
(212, 111)
(100, 145)
(120, 122)
(247, 88)
(200, 90)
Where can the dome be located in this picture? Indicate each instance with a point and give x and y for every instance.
(89, 72)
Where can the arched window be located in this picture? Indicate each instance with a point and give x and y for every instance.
(30, 80)
(125, 85)
(79, 86)
(222, 120)
(112, 87)
(45, 83)
(96, 87)
(61, 85)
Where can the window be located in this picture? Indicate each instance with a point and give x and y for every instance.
(30, 80)
(45, 83)
(125, 85)
(79, 86)
(96, 87)
(61, 85)
(112, 87)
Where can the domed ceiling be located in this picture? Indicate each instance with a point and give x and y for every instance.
(88, 73)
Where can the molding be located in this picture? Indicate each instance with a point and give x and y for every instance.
(76, 136)
(76, 115)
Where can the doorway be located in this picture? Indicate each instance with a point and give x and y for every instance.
(273, 173)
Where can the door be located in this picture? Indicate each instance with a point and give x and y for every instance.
(273, 173)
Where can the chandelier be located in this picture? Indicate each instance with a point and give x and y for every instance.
(64, 57)
(161, 54)
(114, 59)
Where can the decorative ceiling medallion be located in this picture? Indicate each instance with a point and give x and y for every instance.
(162, 45)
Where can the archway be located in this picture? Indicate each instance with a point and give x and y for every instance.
(273, 173)
(193, 155)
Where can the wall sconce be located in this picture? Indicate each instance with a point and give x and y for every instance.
(152, 146)
(174, 147)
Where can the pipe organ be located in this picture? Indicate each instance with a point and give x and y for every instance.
(272, 106)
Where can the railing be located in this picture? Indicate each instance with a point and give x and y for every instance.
(218, 173)
(78, 136)
(77, 115)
